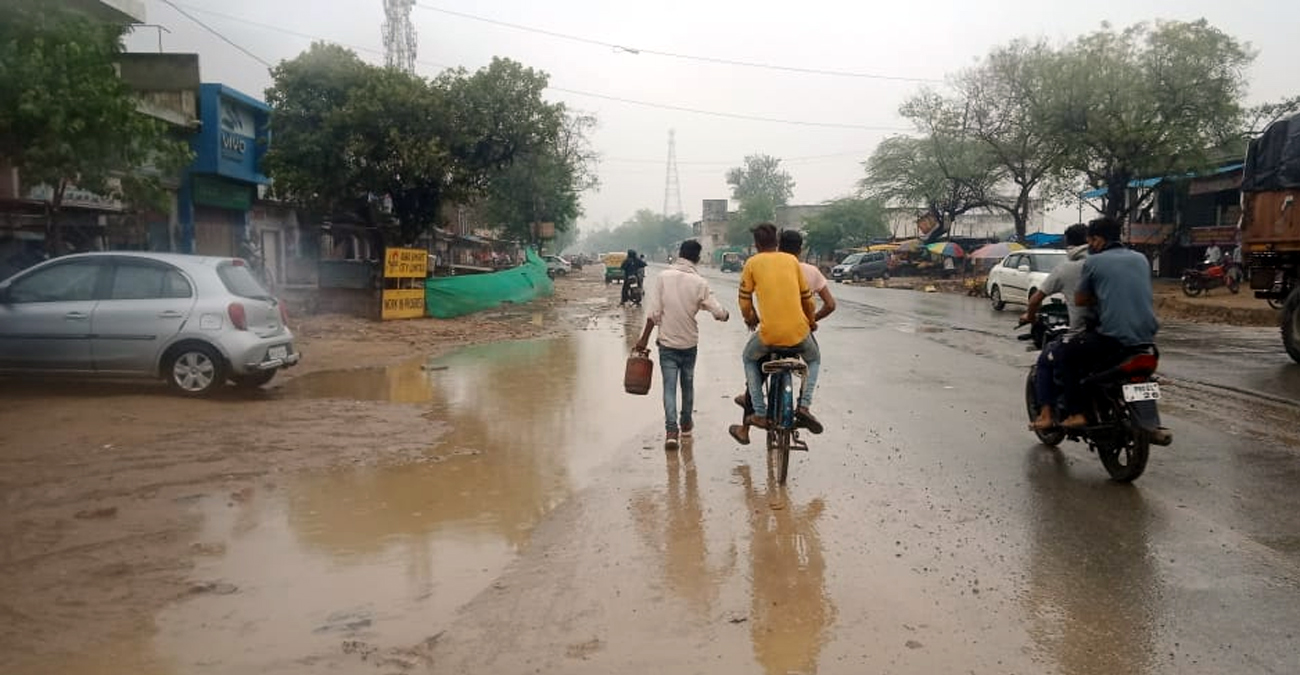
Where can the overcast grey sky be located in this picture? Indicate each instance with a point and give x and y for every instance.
(911, 39)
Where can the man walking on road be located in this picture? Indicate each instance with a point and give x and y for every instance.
(786, 323)
(677, 295)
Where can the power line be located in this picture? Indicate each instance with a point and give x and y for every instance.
(734, 162)
(737, 116)
(575, 92)
(675, 55)
(212, 30)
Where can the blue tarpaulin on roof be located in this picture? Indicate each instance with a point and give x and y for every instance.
(1041, 239)
(1152, 182)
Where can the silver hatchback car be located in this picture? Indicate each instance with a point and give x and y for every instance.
(194, 321)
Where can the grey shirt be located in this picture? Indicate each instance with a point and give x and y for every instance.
(1120, 281)
(1065, 280)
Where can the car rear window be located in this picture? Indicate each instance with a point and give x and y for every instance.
(1047, 263)
(239, 280)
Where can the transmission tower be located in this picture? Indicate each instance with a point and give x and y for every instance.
(399, 35)
(672, 184)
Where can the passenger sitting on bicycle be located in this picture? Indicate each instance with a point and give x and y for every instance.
(787, 323)
(791, 241)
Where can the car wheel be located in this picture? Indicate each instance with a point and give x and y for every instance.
(195, 370)
(885, 276)
(995, 297)
(253, 380)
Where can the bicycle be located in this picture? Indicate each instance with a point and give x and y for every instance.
(782, 430)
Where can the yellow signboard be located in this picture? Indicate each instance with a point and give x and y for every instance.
(402, 303)
(406, 263)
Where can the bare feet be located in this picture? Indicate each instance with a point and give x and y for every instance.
(1075, 422)
(1044, 420)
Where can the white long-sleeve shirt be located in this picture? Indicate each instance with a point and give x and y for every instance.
(676, 296)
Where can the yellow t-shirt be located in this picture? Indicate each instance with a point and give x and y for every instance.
(783, 296)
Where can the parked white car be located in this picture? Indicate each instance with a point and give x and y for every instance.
(1015, 279)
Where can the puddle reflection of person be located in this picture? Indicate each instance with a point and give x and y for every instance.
(791, 614)
(1092, 583)
(673, 524)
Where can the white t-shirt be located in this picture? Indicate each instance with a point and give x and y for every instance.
(816, 280)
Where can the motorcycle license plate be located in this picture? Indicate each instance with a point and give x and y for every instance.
(1146, 391)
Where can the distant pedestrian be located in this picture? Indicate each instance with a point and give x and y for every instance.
(679, 293)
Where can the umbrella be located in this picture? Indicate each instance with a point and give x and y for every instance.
(909, 246)
(998, 251)
(946, 248)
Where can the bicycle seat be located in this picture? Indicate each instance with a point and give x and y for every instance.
(793, 365)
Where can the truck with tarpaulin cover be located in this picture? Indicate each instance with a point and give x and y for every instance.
(1270, 223)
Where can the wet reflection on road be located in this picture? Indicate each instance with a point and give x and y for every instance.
(383, 556)
(791, 613)
(1092, 600)
(671, 522)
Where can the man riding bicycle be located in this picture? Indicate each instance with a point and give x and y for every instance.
(786, 325)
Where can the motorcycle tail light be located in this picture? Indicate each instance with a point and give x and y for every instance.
(1142, 364)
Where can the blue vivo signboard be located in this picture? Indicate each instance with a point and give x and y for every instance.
(235, 134)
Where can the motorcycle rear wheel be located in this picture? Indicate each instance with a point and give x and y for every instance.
(1125, 455)
(1050, 437)
(1191, 287)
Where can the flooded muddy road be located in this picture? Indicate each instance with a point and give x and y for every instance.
(506, 508)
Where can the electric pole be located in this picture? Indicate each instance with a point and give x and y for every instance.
(399, 35)
(672, 183)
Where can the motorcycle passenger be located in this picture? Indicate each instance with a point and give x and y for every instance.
(632, 266)
(786, 324)
(1116, 281)
(1065, 280)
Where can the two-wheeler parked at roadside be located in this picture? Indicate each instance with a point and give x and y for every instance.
(1120, 403)
(1197, 281)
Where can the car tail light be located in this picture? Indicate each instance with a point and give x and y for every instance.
(284, 313)
(238, 317)
(1142, 364)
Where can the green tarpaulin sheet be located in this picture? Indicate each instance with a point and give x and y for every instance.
(447, 297)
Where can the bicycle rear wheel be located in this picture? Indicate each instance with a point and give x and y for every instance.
(782, 455)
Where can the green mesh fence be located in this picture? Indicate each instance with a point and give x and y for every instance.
(448, 297)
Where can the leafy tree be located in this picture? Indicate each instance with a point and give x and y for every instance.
(310, 159)
(646, 231)
(760, 186)
(67, 119)
(1151, 100)
(1003, 104)
(1257, 118)
(545, 184)
(350, 136)
(945, 174)
(845, 223)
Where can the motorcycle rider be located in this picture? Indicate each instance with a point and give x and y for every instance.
(632, 266)
(787, 323)
(1065, 280)
(1116, 281)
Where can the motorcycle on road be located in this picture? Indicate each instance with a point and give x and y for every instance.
(1197, 281)
(1121, 403)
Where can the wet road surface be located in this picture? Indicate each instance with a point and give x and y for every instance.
(925, 532)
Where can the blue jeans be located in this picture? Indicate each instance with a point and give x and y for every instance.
(678, 364)
(756, 351)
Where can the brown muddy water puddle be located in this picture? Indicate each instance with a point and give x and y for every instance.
(381, 557)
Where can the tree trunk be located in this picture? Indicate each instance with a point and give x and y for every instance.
(1117, 195)
(53, 228)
